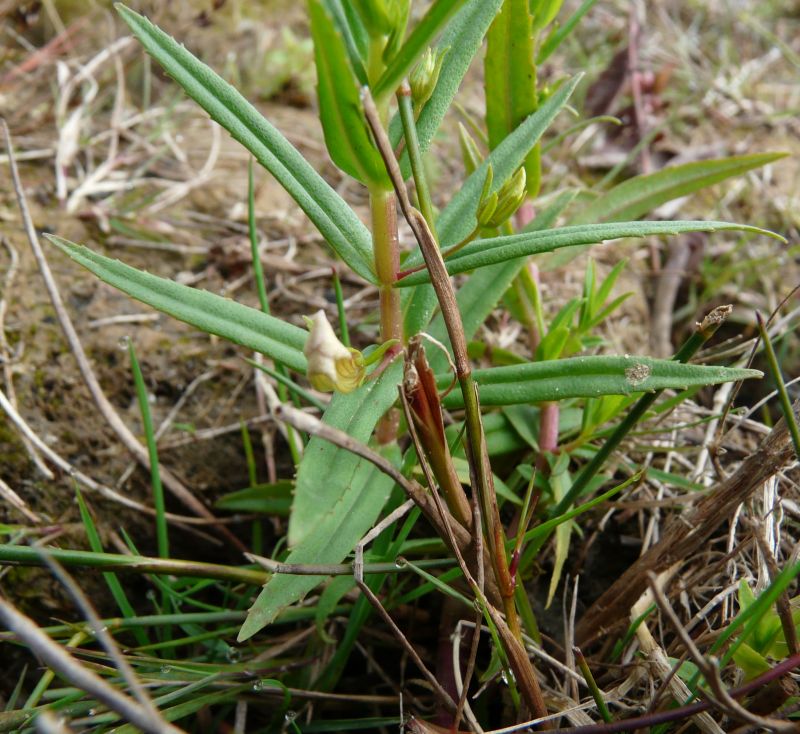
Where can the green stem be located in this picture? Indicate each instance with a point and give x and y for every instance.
(28, 556)
(387, 260)
(780, 385)
(415, 155)
(162, 532)
(597, 694)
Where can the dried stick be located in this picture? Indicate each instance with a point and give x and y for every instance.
(53, 655)
(101, 401)
(684, 535)
(315, 427)
(102, 635)
(358, 574)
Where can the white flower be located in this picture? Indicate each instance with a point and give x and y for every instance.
(331, 365)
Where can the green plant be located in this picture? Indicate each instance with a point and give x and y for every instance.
(363, 54)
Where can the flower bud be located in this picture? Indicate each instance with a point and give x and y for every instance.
(496, 208)
(425, 75)
(331, 365)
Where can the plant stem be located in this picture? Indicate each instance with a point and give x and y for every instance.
(387, 260)
(415, 155)
(28, 556)
(478, 454)
(387, 263)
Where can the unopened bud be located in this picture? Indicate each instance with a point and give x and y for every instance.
(425, 75)
(331, 365)
(496, 208)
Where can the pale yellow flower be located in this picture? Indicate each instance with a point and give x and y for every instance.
(331, 365)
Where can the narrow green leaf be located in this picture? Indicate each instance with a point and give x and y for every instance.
(357, 414)
(481, 253)
(461, 39)
(346, 135)
(458, 219)
(510, 78)
(206, 311)
(588, 377)
(340, 498)
(559, 34)
(335, 220)
(641, 194)
(421, 38)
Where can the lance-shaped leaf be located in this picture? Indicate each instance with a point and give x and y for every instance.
(207, 311)
(335, 220)
(460, 41)
(346, 135)
(510, 79)
(589, 377)
(481, 253)
(642, 194)
(338, 497)
(421, 38)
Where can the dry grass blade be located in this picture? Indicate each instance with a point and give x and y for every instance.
(685, 535)
(80, 676)
(710, 670)
(101, 401)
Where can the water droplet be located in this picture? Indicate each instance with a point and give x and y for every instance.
(290, 716)
(258, 685)
(151, 594)
(91, 712)
(400, 562)
(165, 669)
(233, 654)
(124, 343)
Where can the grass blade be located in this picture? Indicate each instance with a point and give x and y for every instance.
(775, 369)
(162, 536)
